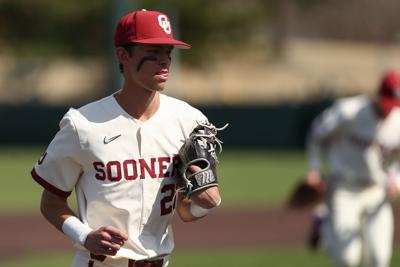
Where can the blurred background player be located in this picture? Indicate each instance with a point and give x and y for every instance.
(118, 154)
(358, 138)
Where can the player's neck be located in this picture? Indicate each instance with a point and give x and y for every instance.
(140, 104)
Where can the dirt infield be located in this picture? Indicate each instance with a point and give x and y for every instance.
(262, 227)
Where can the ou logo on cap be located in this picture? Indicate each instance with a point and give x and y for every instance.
(164, 23)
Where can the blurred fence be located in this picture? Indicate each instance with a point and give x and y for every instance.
(282, 126)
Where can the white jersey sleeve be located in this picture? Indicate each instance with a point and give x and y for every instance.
(329, 124)
(58, 169)
(322, 128)
(394, 172)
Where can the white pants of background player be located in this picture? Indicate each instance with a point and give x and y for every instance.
(359, 227)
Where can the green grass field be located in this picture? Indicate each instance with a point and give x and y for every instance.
(20, 193)
(260, 257)
(211, 258)
(247, 178)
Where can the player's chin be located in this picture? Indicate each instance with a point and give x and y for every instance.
(155, 88)
(159, 86)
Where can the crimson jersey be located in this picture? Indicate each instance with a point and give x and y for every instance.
(121, 168)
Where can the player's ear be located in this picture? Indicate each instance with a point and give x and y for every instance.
(122, 54)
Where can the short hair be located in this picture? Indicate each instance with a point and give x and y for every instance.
(129, 48)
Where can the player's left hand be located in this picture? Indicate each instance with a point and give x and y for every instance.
(307, 192)
(199, 150)
(206, 198)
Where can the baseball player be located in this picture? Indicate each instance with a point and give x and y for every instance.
(360, 139)
(118, 154)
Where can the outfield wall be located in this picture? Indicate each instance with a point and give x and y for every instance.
(275, 127)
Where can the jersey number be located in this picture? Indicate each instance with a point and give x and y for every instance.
(166, 202)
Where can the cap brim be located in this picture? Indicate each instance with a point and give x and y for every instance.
(164, 41)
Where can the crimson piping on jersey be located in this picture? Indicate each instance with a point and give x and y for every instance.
(48, 186)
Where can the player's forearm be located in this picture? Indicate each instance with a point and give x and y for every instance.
(314, 150)
(55, 209)
(314, 156)
(208, 198)
(199, 205)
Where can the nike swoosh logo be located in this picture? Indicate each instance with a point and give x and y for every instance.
(109, 140)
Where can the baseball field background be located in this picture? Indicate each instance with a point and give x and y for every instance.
(254, 185)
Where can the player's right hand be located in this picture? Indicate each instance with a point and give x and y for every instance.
(105, 240)
(313, 178)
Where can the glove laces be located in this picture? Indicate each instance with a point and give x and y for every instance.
(210, 132)
(206, 137)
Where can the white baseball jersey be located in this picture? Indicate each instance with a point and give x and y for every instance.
(358, 143)
(121, 168)
(359, 147)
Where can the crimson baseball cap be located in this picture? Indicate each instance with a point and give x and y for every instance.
(146, 27)
(389, 90)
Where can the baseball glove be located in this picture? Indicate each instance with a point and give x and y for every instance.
(305, 195)
(198, 159)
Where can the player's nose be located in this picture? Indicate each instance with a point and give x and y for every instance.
(164, 59)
